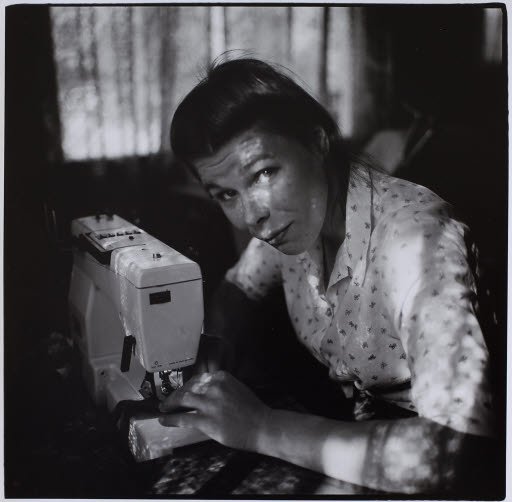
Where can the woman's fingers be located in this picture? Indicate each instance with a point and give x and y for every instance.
(191, 395)
(189, 419)
(185, 399)
(224, 409)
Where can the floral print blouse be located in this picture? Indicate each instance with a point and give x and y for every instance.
(397, 318)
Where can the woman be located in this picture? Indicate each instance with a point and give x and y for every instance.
(377, 281)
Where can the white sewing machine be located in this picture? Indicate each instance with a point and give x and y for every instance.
(132, 294)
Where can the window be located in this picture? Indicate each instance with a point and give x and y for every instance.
(122, 70)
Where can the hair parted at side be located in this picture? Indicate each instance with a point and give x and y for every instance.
(238, 94)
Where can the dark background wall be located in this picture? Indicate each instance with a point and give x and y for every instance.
(31, 152)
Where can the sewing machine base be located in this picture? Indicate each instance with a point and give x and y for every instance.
(147, 438)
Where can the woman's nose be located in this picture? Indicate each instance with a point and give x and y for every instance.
(255, 212)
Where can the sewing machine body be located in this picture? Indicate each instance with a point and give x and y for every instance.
(127, 283)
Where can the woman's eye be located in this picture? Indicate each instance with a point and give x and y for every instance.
(265, 174)
(225, 196)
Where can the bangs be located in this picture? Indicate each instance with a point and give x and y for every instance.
(237, 95)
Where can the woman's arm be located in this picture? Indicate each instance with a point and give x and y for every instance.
(412, 455)
(407, 455)
(236, 313)
(227, 325)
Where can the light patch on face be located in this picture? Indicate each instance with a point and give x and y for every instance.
(314, 203)
(270, 185)
(250, 149)
(240, 156)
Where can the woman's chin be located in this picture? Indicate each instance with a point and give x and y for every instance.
(290, 248)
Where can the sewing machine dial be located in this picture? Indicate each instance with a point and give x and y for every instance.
(109, 240)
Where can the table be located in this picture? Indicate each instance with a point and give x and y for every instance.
(210, 470)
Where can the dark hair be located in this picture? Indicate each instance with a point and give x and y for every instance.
(242, 93)
(239, 94)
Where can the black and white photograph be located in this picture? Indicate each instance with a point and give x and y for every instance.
(255, 250)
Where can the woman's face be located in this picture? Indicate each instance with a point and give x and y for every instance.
(270, 185)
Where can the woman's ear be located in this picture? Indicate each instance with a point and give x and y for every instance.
(320, 142)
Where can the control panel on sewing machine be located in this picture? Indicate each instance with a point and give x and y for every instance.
(136, 315)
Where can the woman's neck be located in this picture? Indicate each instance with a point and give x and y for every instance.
(332, 236)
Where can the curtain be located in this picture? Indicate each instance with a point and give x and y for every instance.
(122, 70)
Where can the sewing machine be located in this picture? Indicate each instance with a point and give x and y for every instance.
(136, 315)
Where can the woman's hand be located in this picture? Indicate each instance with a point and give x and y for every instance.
(224, 409)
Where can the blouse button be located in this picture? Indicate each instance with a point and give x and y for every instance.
(329, 312)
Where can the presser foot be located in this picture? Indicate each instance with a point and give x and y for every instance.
(170, 380)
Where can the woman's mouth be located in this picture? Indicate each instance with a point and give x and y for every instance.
(278, 237)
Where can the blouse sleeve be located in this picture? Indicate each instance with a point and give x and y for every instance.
(434, 293)
(257, 271)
